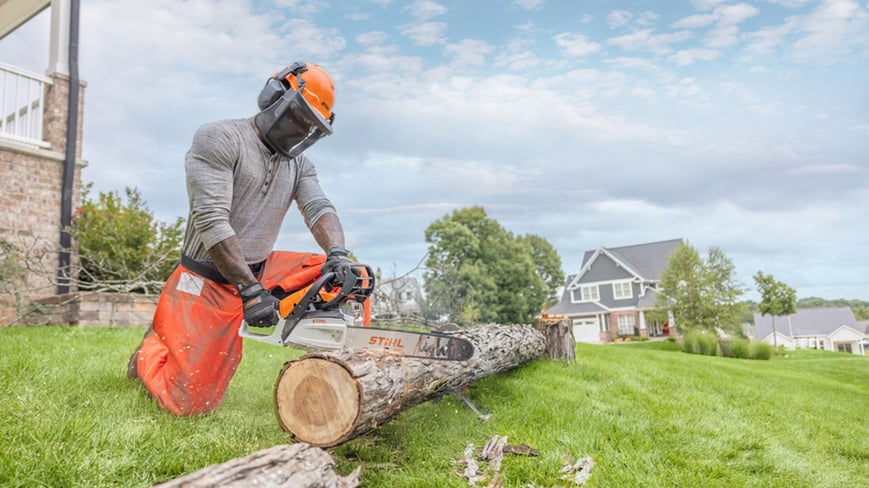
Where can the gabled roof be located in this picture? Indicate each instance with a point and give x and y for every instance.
(565, 307)
(645, 261)
(821, 321)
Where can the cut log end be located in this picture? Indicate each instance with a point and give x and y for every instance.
(317, 401)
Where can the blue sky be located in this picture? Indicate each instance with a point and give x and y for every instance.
(741, 125)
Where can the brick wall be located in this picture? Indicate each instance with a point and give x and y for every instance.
(104, 309)
(30, 193)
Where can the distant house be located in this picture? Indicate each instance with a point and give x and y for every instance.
(397, 297)
(614, 291)
(829, 328)
(865, 325)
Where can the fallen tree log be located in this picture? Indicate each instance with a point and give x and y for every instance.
(327, 398)
(298, 465)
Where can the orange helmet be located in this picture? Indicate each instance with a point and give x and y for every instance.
(316, 87)
(296, 108)
(310, 79)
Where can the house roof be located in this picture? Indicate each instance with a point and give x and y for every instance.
(14, 13)
(647, 260)
(820, 321)
(649, 299)
(565, 307)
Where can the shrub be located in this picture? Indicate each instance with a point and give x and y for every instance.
(700, 343)
(737, 347)
(690, 343)
(708, 344)
(759, 350)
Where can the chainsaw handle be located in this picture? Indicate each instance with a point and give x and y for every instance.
(352, 287)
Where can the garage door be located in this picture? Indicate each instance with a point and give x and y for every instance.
(586, 330)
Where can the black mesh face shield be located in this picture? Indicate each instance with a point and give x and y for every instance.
(291, 125)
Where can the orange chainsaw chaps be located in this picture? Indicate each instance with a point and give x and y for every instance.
(190, 359)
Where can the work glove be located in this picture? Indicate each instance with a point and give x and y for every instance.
(338, 262)
(260, 306)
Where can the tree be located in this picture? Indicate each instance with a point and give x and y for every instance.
(777, 299)
(477, 271)
(701, 294)
(548, 264)
(121, 246)
(13, 272)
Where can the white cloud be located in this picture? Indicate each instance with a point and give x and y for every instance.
(735, 14)
(623, 18)
(687, 91)
(529, 4)
(469, 52)
(633, 63)
(426, 9)
(707, 4)
(828, 169)
(303, 7)
(789, 3)
(767, 39)
(316, 42)
(646, 40)
(831, 33)
(527, 26)
(834, 28)
(722, 37)
(426, 34)
(644, 93)
(576, 45)
(373, 38)
(517, 56)
(689, 56)
(618, 18)
(696, 21)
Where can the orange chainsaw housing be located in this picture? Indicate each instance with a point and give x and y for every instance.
(190, 359)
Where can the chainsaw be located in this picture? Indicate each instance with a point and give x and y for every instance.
(313, 318)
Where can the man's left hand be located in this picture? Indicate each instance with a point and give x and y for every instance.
(338, 262)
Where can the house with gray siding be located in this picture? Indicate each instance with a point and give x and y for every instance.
(614, 292)
(828, 328)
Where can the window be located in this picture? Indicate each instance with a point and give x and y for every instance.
(626, 324)
(622, 290)
(590, 293)
(843, 347)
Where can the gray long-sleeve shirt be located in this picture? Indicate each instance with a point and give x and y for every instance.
(236, 186)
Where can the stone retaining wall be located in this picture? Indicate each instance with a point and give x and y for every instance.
(99, 309)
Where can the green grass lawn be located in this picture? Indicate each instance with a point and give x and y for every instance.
(647, 414)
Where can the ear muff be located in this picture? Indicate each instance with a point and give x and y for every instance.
(278, 84)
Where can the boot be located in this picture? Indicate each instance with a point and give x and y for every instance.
(133, 364)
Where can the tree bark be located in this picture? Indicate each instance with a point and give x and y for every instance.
(327, 398)
(560, 343)
(298, 465)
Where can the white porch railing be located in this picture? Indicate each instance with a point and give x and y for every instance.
(22, 105)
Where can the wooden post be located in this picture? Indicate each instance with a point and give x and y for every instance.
(558, 330)
(327, 398)
(298, 465)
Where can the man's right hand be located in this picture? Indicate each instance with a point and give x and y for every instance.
(260, 306)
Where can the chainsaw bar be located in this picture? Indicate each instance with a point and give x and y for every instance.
(312, 319)
(420, 345)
